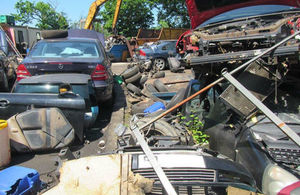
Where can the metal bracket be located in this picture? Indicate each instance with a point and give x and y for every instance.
(277, 121)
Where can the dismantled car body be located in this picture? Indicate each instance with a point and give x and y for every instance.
(235, 126)
(71, 84)
(72, 107)
(8, 65)
(230, 38)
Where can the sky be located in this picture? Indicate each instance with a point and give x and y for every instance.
(75, 9)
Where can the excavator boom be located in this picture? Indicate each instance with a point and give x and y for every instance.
(94, 8)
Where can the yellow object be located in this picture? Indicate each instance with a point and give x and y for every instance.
(4, 144)
(3, 124)
(254, 119)
(61, 90)
(94, 8)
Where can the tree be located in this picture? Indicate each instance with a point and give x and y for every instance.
(44, 14)
(174, 13)
(134, 14)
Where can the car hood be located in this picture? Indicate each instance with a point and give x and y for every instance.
(200, 10)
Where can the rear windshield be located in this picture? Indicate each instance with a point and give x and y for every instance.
(65, 49)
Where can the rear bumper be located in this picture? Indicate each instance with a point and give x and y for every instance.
(104, 90)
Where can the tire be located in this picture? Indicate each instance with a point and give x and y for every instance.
(150, 88)
(52, 34)
(4, 87)
(160, 86)
(143, 79)
(158, 128)
(133, 78)
(178, 97)
(159, 63)
(159, 75)
(141, 106)
(130, 72)
(134, 89)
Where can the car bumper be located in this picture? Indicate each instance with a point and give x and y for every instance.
(103, 90)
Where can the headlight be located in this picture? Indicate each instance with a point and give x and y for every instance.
(275, 179)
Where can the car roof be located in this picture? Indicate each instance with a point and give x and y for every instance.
(69, 39)
(71, 78)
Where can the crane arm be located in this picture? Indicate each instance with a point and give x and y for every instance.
(94, 10)
(117, 11)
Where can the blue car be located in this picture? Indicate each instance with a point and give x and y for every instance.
(158, 52)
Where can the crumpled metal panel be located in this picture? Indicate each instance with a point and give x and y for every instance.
(258, 80)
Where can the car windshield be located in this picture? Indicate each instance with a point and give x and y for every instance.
(247, 12)
(65, 49)
(81, 90)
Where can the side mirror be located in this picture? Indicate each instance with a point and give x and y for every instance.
(164, 48)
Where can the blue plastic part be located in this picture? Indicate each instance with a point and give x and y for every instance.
(117, 51)
(155, 107)
(17, 180)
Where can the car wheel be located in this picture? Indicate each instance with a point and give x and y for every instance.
(134, 89)
(150, 88)
(160, 63)
(160, 86)
(178, 97)
(133, 78)
(158, 128)
(3, 81)
(130, 72)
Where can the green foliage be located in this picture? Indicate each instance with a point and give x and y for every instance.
(162, 24)
(195, 127)
(174, 13)
(44, 14)
(134, 14)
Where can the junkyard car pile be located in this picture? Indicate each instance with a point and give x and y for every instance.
(246, 150)
(235, 126)
(84, 80)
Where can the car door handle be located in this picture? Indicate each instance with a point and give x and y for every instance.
(4, 103)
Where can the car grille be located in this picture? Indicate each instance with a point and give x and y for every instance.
(183, 179)
(290, 156)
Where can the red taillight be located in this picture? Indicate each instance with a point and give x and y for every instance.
(99, 73)
(288, 189)
(22, 72)
(142, 53)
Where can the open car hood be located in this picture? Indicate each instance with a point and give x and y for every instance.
(202, 10)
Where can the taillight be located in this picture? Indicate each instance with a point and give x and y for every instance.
(142, 53)
(99, 73)
(22, 72)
